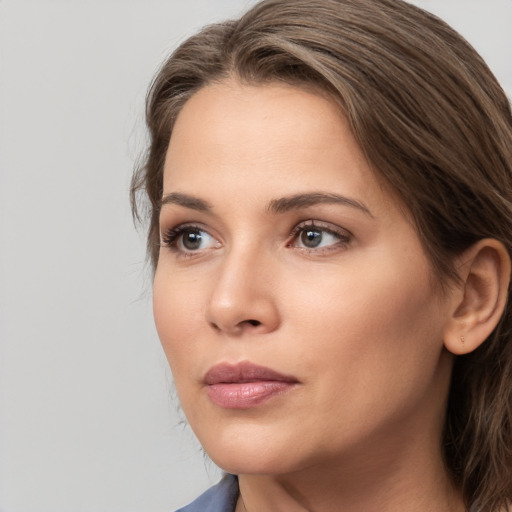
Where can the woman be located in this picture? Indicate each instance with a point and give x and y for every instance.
(331, 228)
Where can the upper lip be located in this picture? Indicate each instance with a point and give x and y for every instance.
(226, 373)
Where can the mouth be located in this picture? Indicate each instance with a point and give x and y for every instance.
(245, 385)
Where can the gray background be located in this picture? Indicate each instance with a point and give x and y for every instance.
(88, 421)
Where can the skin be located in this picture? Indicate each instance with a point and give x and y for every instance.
(355, 319)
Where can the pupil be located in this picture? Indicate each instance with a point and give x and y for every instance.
(311, 238)
(192, 240)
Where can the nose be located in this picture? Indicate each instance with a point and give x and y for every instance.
(243, 298)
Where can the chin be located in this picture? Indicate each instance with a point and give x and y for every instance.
(253, 462)
(256, 451)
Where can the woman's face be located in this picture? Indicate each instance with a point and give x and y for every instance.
(292, 296)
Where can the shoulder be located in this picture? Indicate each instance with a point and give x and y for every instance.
(222, 497)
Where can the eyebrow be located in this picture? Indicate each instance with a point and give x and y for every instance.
(298, 201)
(194, 203)
(280, 205)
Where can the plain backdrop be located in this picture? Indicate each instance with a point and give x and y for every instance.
(88, 419)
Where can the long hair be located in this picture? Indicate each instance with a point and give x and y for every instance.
(432, 121)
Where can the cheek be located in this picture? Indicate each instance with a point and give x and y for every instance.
(369, 350)
(368, 297)
(382, 324)
(177, 312)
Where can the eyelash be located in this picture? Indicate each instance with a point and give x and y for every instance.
(171, 237)
(343, 236)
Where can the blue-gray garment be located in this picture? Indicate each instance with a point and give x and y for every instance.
(219, 498)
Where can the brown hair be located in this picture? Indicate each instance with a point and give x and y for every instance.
(431, 119)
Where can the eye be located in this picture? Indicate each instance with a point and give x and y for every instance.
(311, 236)
(188, 239)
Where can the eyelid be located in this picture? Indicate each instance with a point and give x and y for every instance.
(321, 225)
(344, 236)
(169, 238)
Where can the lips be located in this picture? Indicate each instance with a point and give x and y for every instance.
(245, 385)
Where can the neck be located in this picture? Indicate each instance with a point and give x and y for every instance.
(384, 485)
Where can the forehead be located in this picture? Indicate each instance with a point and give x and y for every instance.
(266, 115)
(272, 138)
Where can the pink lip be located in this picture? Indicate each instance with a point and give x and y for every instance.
(245, 385)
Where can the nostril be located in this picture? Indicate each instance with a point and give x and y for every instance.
(251, 322)
(215, 326)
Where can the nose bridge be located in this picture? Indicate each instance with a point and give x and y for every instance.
(242, 297)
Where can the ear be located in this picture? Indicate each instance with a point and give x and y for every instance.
(479, 300)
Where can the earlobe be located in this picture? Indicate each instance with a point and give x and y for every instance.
(480, 297)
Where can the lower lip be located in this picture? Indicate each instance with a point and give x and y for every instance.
(247, 394)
